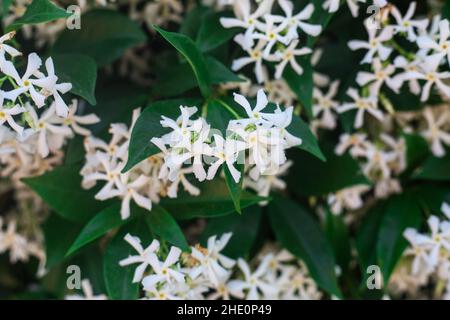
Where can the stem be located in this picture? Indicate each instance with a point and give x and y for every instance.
(229, 108)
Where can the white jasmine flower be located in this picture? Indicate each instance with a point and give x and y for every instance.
(362, 105)
(441, 47)
(375, 44)
(253, 286)
(406, 24)
(436, 134)
(51, 88)
(298, 21)
(164, 271)
(324, 105)
(348, 198)
(26, 82)
(381, 75)
(289, 55)
(88, 293)
(143, 258)
(131, 190)
(212, 264)
(226, 151)
(432, 77)
(7, 49)
(247, 20)
(255, 55)
(74, 121)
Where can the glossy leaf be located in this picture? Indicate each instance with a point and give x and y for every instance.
(61, 190)
(39, 11)
(164, 225)
(104, 36)
(298, 232)
(193, 56)
(81, 71)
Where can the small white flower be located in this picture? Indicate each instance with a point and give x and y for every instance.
(406, 24)
(289, 55)
(253, 286)
(435, 133)
(325, 105)
(88, 293)
(362, 105)
(375, 45)
(143, 258)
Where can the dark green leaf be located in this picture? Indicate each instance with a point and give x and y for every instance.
(337, 234)
(59, 234)
(298, 232)
(214, 201)
(212, 34)
(164, 225)
(61, 190)
(302, 85)
(402, 212)
(81, 71)
(220, 73)
(99, 225)
(437, 169)
(193, 56)
(321, 178)
(39, 11)
(104, 36)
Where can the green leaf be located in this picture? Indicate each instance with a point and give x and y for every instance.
(321, 178)
(99, 225)
(235, 188)
(367, 236)
(192, 21)
(212, 34)
(299, 128)
(193, 56)
(244, 228)
(402, 212)
(302, 85)
(39, 11)
(104, 36)
(81, 71)
(148, 126)
(164, 225)
(298, 232)
(436, 169)
(214, 201)
(337, 234)
(4, 7)
(220, 73)
(446, 10)
(118, 280)
(59, 234)
(178, 78)
(218, 116)
(416, 150)
(61, 190)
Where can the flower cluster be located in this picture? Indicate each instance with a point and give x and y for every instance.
(430, 252)
(206, 273)
(271, 38)
(20, 247)
(105, 161)
(262, 134)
